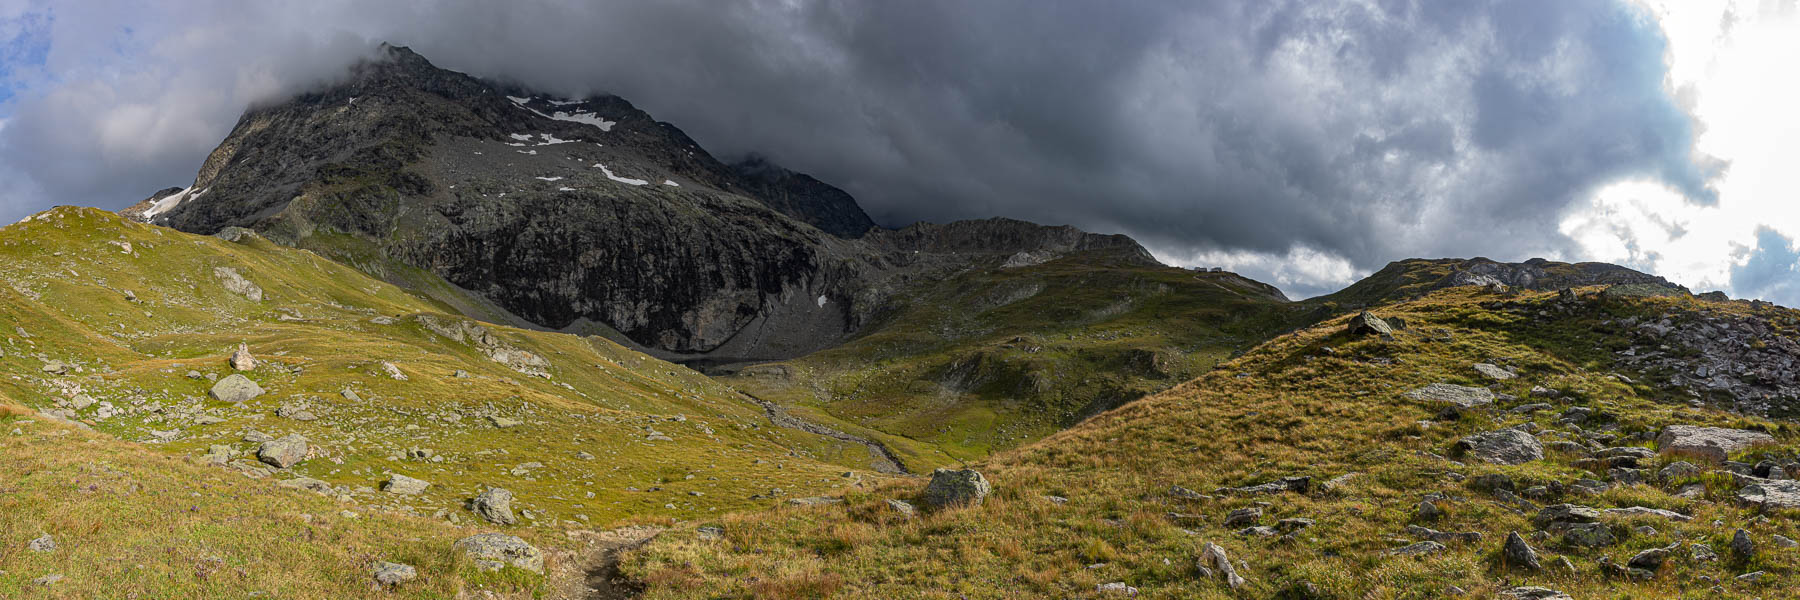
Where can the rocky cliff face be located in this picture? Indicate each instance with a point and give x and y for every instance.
(575, 213)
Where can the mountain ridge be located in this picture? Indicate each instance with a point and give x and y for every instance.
(560, 211)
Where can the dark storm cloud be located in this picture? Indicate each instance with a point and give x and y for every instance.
(1346, 134)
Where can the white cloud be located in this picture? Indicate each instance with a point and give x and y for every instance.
(1731, 61)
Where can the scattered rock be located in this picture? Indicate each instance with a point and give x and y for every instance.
(494, 551)
(1644, 511)
(1494, 372)
(1587, 535)
(903, 507)
(390, 574)
(956, 488)
(1464, 537)
(1709, 443)
(1784, 541)
(392, 371)
(1504, 446)
(1741, 545)
(1187, 494)
(44, 543)
(1564, 513)
(1535, 593)
(1419, 549)
(235, 389)
(1429, 511)
(1677, 470)
(503, 422)
(495, 505)
(1243, 516)
(1651, 559)
(47, 580)
(1516, 553)
(1116, 588)
(1454, 395)
(284, 452)
(1212, 558)
(814, 501)
(403, 485)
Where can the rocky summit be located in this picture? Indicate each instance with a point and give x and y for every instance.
(415, 334)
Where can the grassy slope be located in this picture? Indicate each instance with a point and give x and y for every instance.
(129, 522)
(993, 358)
(66, 282)
(1298, 410)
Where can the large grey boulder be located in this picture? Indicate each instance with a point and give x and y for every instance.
(1455, 395)
(235, 389)
(956, 488)
(403, 485)
(495, 551)
(283, 452)
(495, 505)
(1503, 446)
(1710, 443)
(1367, 323)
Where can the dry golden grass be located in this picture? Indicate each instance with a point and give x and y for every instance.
(1298, 411)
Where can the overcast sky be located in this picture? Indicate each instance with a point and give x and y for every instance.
(1302, 143)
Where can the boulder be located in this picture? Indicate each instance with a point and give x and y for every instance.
(1212, 558)
(1742, 546)
(403, 485)
(1651, 559)
(1516, 553)
(495, 551)
(1771, 493)
(956, 488)
(1564, 513)
(236, 284)
(283, 452)
(1494, 372)
(235, 389)
(1420, 549)
(390, 574)
(1454, 395)
(1504, 447)
(1243, 516)
(1367, 323)
(902, 507)
(1586, 535)
(241, 359)
(1709, 443)
(495, 505)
